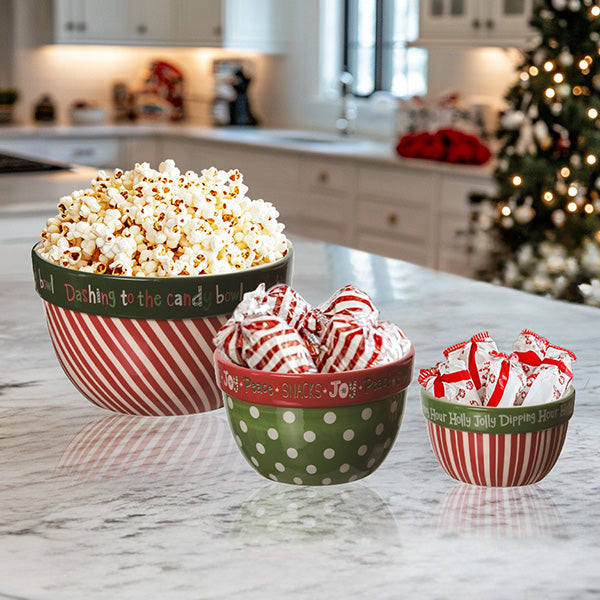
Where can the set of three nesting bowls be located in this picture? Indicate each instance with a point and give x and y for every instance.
(143, 346)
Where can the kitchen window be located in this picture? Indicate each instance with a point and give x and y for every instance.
(377, 54)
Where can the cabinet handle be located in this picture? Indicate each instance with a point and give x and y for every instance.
(217, 30)
(80, 27)
(476, 23)
(142, 29)
(392, 219)
(69, 26)
(489, 24)
(323, 177)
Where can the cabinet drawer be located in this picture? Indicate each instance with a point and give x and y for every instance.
(327, 176)
(95, 153)
(455, 192)
(398, 184)
(397, 220)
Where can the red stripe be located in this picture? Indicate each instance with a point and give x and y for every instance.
(500, 384)
(473, 370)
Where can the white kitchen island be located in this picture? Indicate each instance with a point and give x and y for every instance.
(100, 506)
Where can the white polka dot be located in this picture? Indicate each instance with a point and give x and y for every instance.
(311, 469)
(254, 412)
(352, 478)
(344, 468)
(273, 477)
(243, 426)
(260, 448)
(379, 429)
(366, 414)
(371, 463)
(289, 416)
(254, 461)
(329, 453)
(230, 401)
(387, 443)
(326, 481)
(297, 480)
(394, 406)
(309, 436)
(329, 417)
(362, 450)
(348, 435)
(292, 452)
(272, 433)
(238, 441)
(279, 467)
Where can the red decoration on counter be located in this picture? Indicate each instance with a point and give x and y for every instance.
(445, 145)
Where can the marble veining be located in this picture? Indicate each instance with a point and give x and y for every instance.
(102, 506)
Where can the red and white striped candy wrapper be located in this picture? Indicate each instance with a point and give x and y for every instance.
(506, 380)
(474, 352)
(270, 344)
(283, 301)
(450, 380)
(347, 301)
(531, 349)
(349, 344)
(551, 379)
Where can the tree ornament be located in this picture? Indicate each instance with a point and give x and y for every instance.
(556, 108)
(575, 161)
(558, 217)
(540, 130)
(524, 213)
(574, 5)
(559, 4)
(565, 58)
(561, 147)
(512, 119)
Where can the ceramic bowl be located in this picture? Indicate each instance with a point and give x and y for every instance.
(87, 115)
(143, 345)
(315, 429)
(497, 447)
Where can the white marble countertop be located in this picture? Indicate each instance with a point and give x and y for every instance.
(99, 506)
(300, 141)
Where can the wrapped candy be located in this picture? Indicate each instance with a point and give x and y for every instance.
(283, 301)
(451, 380)
(551, 379)
(348, 300)
(355, 342)
(270, 344)
(505, 380)
(531, 349)
(475, 353)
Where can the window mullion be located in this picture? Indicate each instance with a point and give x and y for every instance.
(378, 62)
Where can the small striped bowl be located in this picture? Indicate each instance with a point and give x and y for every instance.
(143, 345)
(497, 447)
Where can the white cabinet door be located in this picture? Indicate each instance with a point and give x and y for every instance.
(90, 21)
(474, 22)
(198, 23)
(149, 21)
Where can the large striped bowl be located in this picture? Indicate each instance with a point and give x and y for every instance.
(498, 447)
(143, 345)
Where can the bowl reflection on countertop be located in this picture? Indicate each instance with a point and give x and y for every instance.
(510, 512)
(303, 515)
(128, 449)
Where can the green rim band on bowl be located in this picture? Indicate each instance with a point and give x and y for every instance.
(511, 419)
(177, 297)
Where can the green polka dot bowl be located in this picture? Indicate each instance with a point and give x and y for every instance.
(318, 428)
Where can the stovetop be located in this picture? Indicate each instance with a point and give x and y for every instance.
(10, 163)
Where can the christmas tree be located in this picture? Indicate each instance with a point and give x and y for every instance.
(542, 228)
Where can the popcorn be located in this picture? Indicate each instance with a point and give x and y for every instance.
(161, 223)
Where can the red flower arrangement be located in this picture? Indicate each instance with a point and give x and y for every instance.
(446, 145)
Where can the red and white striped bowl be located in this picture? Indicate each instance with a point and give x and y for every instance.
(497, 447)
(143, 345)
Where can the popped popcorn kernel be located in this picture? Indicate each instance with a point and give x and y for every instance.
(160, 223)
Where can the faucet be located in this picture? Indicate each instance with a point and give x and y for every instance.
(344, 123)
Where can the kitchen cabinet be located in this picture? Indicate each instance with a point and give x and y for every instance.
(474, 22)
(396, 213)
(258, 25)
(455, 213)
(102, 152)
